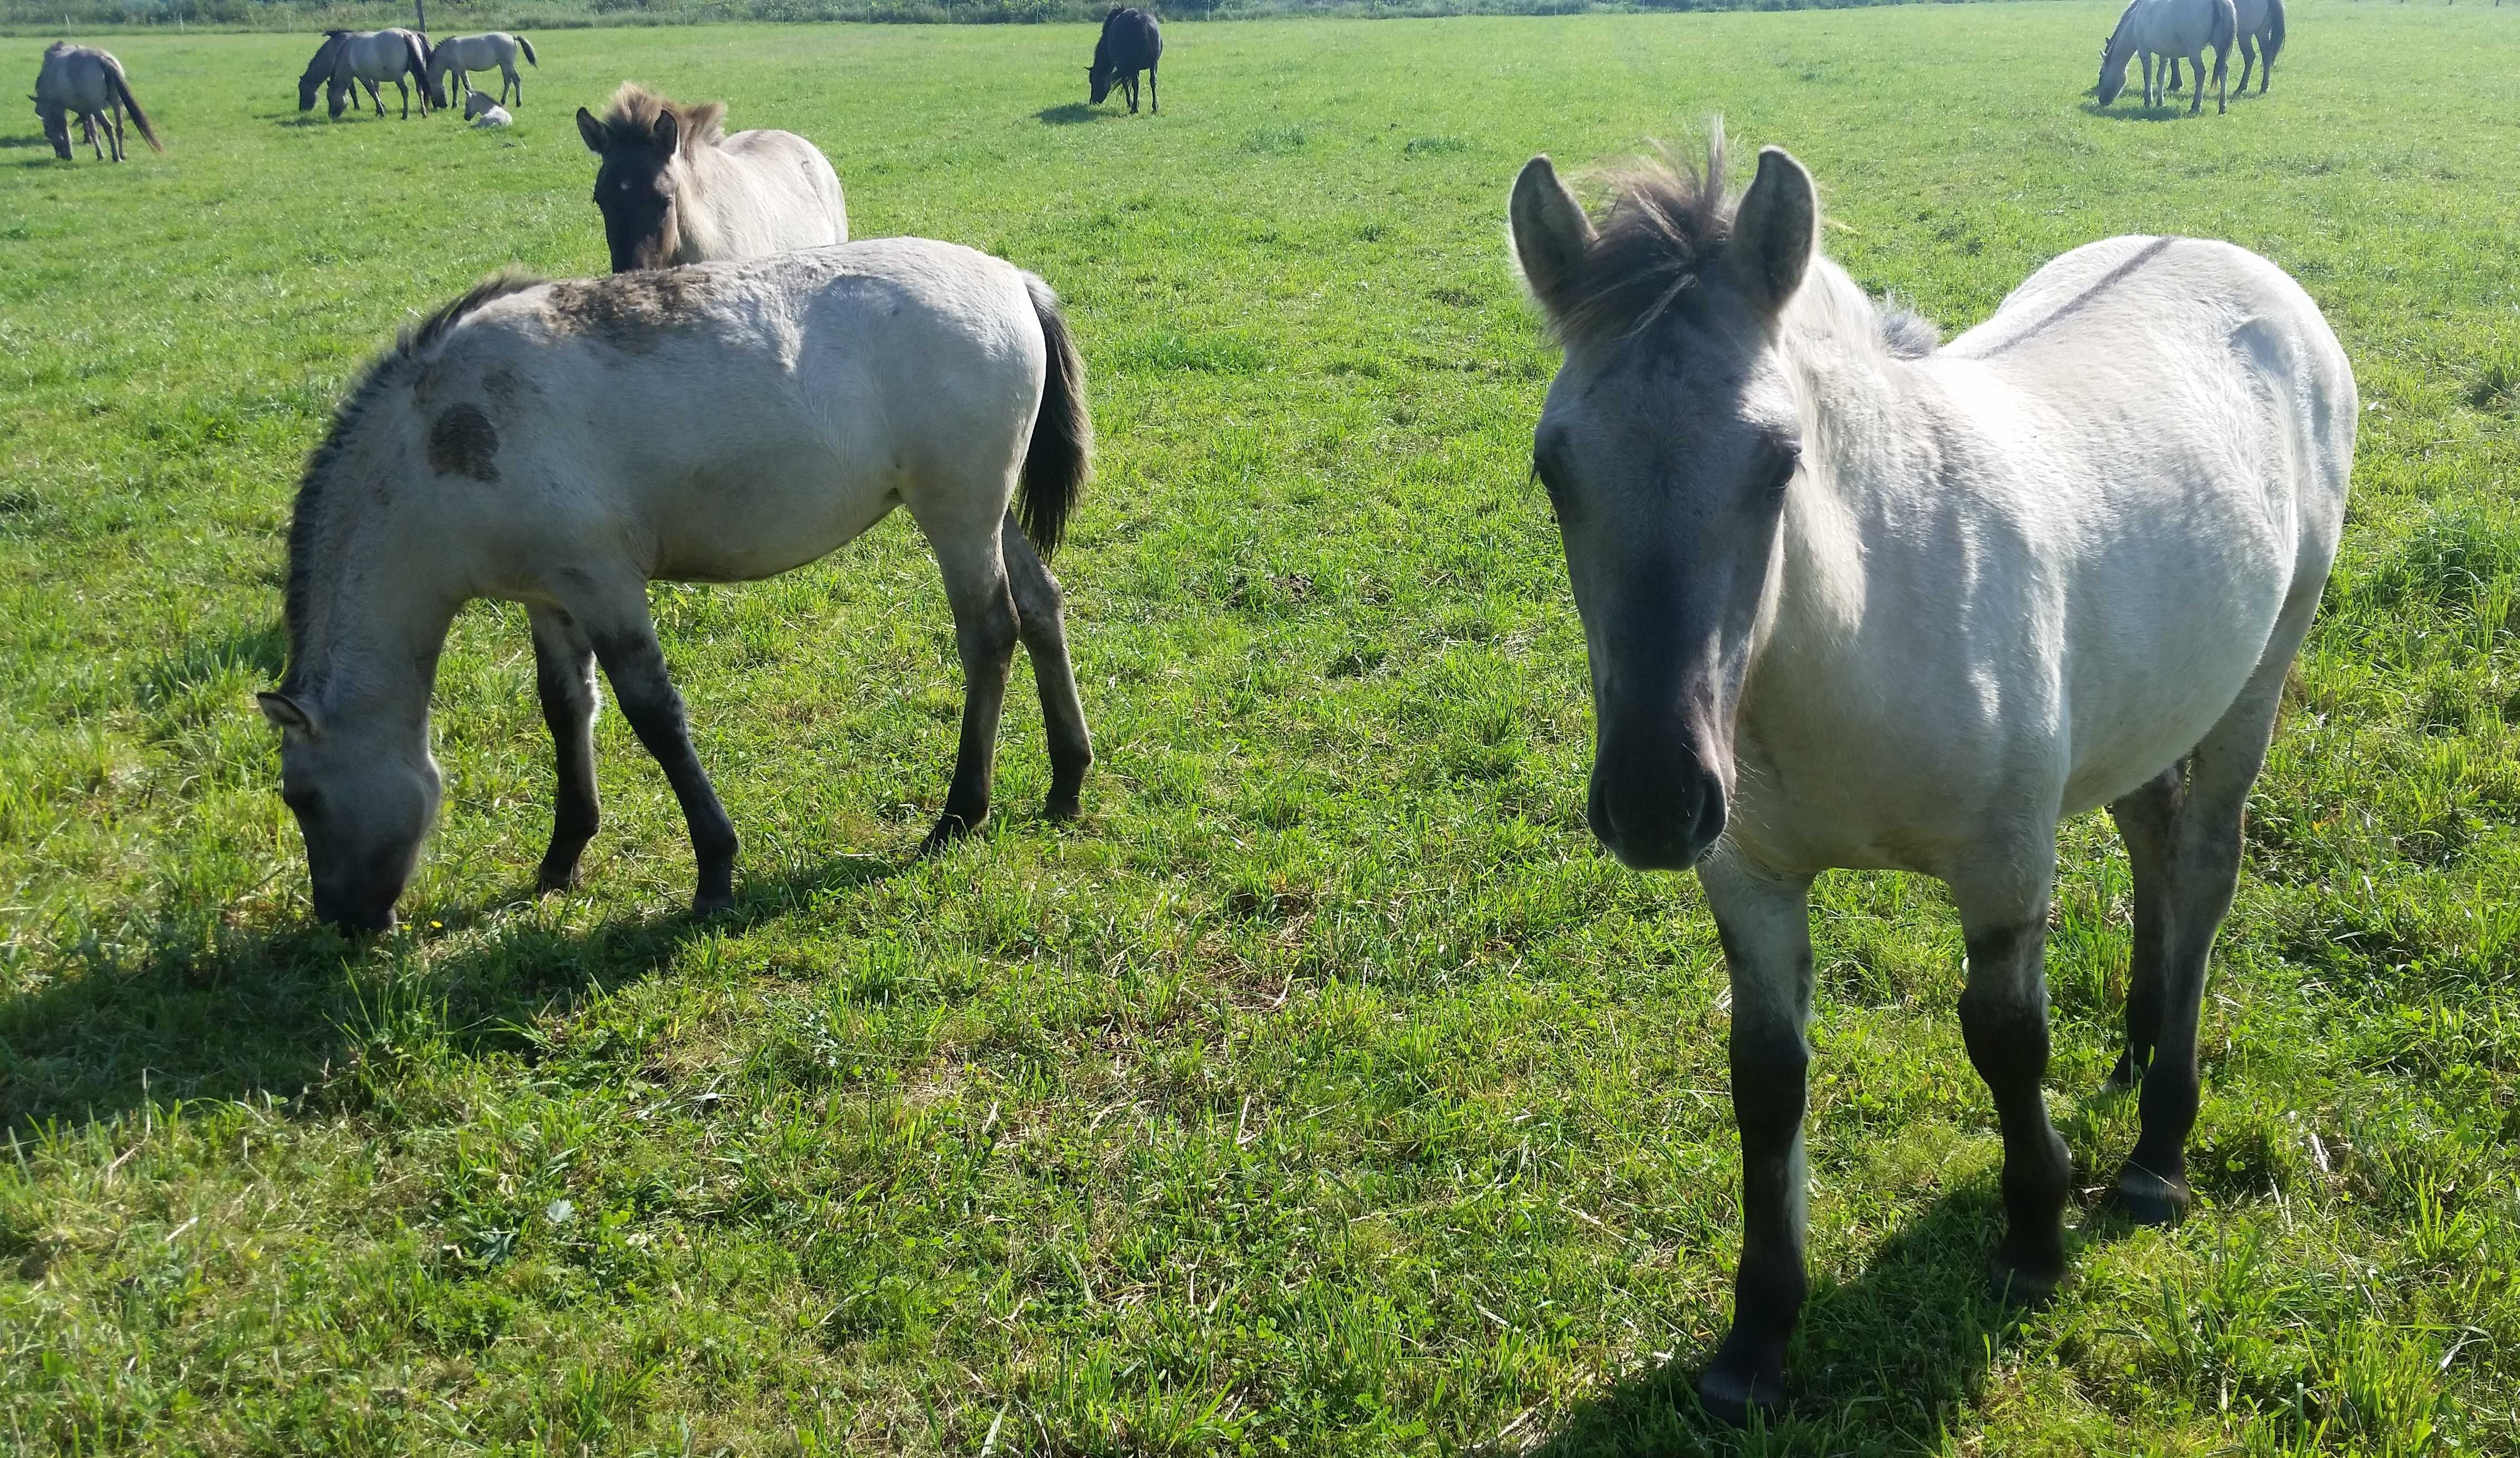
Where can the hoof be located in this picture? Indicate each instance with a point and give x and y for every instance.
(713, 905)
(2022, 1285)
(1062, 806)
(551, 878)
(2126, 1076)
(1729, 1394)
(2147, 1199)
(950, 828)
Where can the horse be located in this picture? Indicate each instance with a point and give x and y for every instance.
(481, 111)
(2262, 35)
(88, 83)
(564, 444)
(457, 54)
(1852, 598)
(2169, 27)
(350, 59)
(674, 189)
(1131, 42)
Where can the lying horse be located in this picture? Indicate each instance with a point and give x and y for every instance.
(481, 111)
(674, 189)
(2169, 27)
(1131, 42)
(85, 82)
(1854, 600)
(349, 59)
(459, 54)
(564, 444)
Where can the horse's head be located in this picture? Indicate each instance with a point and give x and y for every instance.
(365, 795)
(1098, 79)
(637, 181)
(2113, 70)
(57, 126)
(1667, 443)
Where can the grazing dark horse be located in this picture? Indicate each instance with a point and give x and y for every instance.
(1131, 42)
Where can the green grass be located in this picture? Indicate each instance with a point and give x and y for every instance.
(1323, 1090)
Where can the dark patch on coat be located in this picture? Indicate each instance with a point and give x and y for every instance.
(463, 442)
(630, 310)
(507, 391)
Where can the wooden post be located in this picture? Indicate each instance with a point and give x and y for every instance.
(420, 11)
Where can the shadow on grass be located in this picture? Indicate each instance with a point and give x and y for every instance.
(1881, 1364)
(1069, 115)
(286, 1013)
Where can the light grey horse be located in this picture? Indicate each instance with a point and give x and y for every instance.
(85, 82)
(564, 444)
(1851, 599)
(350, 59)
(455, 54)
(2169, 27)
(673, 188)
(2262, 35)
(481, 111)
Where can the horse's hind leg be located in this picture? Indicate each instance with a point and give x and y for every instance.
(564, 679)
(1155, 103)
(2197, 95)
(2148, 820)
(1040, 613)
(624, 639)
(1763, 920)
(2248, 59)
(2004, 1020)
(2203, 873)
(985, 632)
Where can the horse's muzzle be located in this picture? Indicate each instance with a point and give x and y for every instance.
(1663, 819)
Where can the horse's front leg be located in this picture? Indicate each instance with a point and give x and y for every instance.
(2004, 1020)
(624, 639)
(1765, 922)
(2146, 58)
(1154, 102)
(985, 631)
(564, 680)
(2196, 94)
(517, 80)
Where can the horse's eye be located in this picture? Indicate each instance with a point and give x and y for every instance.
(1789, 459)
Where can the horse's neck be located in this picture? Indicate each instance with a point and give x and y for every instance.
(380, 610)
(726, 204)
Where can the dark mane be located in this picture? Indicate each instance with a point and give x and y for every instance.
(1669, 219)
(630, 118)
(381, 375)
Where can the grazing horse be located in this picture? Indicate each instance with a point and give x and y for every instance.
(674, 189)
(457, 54)
(88, 83)
(2262, 35)
(2169, 27)
(350, 59)
(1854, 600)
(1131, 42)
(564, 444)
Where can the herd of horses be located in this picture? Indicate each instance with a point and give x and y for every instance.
(2170, 30)
(348, 60)
(1853, 595)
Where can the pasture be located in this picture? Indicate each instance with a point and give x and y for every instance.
(1322, 1089)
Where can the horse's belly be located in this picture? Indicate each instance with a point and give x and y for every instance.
(774, 517)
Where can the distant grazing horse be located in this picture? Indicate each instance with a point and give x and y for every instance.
(2262, 35)
(674, 189)
(1853, 600)
(85, 82)
(564, 444)
(1131, 42)
(457, 54)
(350, 59)
(2169, 27)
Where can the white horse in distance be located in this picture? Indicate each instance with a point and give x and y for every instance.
(1854, 600)
(481, 111)
(2169, 27)
(459, 54)
(85, 82)
(564, 444)
(2262, 35)
(674, 189)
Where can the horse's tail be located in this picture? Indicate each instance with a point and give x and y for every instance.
(2270, 40)
(1062, 455)
(131, 104)
(527, 47)
(2226, 29)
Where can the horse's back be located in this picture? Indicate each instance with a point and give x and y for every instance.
(799, 191)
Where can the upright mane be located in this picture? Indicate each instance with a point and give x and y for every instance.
(382, 374)
(1669, 222)
(630, 118)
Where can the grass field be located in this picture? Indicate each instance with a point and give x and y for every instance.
(1323, 1090)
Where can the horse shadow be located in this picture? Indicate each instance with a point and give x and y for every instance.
(1885, 1363)
(289, 1014)
(1069, 115)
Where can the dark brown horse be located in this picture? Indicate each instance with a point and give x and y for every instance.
(1131, 42)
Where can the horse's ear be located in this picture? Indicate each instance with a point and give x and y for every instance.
(668, 133)
(1774, 230)
(287, 715)
(1551, 232)
(592, 131)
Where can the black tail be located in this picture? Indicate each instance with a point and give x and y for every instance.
(1062, 455)
(527, 47)
(2272, 39)
(2226, 29)
(131, 104)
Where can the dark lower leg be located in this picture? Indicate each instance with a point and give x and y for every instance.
(1769, 1073)
(2147, 820)
(2004, 1019)
(564, 678)
(1040, 612)
(985, 634)
(636, 665)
